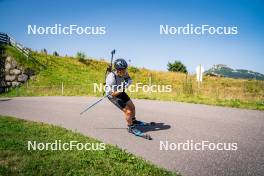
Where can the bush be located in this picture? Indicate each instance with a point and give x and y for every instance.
(177, 66)
(235, 103)
(133, 69)
(55, 53)
(81, 56)
(44, 51)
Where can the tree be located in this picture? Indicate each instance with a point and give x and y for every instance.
(55, 53)
(177, 66)
(44, 51)
(80, 55)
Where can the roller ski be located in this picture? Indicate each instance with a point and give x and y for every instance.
(141, 123)
(132, 129)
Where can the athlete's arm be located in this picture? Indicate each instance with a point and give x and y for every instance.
(128, 80)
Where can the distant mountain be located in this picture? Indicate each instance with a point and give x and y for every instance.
(222, 70)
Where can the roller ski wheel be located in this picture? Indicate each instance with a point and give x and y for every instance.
(147, 136)
(138, 133)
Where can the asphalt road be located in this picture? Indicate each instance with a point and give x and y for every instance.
(176, 123)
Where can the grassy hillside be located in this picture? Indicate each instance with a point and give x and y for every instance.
(77, 78)
(16, 159)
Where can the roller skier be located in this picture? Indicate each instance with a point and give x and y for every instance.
(116, 83)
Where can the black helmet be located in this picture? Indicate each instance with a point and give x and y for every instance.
(120, 64)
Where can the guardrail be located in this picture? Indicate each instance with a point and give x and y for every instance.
(6, 39)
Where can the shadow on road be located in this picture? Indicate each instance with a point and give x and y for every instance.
(111, 128)
(157, 127)
(5, 99)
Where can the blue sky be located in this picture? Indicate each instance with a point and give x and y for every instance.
(133, 30)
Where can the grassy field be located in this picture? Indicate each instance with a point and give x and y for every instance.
(70, 76)
(16, 159)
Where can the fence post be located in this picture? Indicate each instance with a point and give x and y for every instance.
(150, 83)
(17, 91)
(150, 80)
(62, 87)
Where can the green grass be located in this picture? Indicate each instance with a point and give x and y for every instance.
(78, 77)
(25, 62)
(16, 159)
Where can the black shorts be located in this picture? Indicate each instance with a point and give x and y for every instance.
(120, 100)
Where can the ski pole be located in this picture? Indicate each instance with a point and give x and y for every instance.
(86, 109)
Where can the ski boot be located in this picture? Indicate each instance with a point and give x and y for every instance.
(141, 123)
